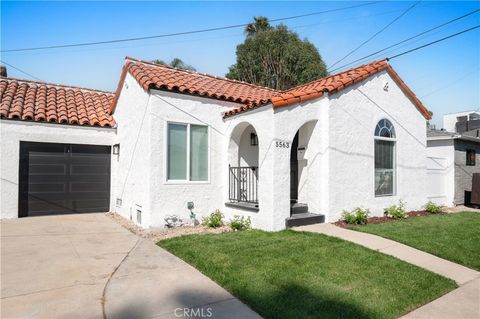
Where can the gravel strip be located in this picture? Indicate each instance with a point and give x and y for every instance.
(156, 235)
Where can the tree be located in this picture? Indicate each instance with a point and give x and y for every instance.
(275, 57)
(176, 63)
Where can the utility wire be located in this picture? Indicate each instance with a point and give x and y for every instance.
(19, 70)
(433, 42)
(187, 32)
(295, 28)
(408, 39)
(374, 35)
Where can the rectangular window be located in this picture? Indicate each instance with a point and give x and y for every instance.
(470, 158)
(187, 157)
(177, 151)
(384, 168)
(198, 153)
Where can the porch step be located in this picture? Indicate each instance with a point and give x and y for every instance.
(303, 219)
(252, 207)
(298, 208)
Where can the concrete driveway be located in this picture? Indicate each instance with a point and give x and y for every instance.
(87, 266)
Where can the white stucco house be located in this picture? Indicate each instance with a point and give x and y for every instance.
(181, 139)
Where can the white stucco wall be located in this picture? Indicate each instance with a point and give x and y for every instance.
(441, 171)
(132, 186)
(354, 113)
(14, 132)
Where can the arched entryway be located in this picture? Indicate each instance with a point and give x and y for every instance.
(243, 166)
(302, 179)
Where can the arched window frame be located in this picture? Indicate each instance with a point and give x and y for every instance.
(385, 177)
(382, 126)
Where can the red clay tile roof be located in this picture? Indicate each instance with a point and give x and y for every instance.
(330, 84)
(44, 102)
(335, 83)
(150, 75)
(162, 77)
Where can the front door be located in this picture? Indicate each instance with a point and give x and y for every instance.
(294, 170)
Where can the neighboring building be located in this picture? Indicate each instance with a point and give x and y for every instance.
(281, 157)
(461, 121)
(453, 158)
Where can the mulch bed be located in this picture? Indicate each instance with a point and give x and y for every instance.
(378, 220)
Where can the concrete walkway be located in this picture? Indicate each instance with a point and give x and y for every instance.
(463, 302)
(87, 266)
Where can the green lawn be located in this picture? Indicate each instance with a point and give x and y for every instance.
(294, 275)
(455, 237)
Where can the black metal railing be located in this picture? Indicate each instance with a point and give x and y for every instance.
(243, 184)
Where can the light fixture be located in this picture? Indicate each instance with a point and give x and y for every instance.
(116, 149)
(253, 139)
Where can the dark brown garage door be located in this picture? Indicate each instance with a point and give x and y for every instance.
(63, 179)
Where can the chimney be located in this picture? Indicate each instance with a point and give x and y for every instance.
(3, 70)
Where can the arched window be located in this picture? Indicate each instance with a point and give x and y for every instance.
(385, 129)
(385, 172)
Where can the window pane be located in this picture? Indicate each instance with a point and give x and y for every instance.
(470, 157)
(384, 167)
(198, 153)
(385, 128)
(177, 152)
(384, 154)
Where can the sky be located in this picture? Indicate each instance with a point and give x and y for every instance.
(445, 76)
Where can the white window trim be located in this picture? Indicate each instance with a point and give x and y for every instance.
(165, 155)
(394, 140)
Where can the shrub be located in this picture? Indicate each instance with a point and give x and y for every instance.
(240, 223)
(213, 220)
(357, 216)
(396, 211)
(433, 208)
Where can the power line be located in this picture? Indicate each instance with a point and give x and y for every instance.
(408, 39)
(377, 33)
(187, 32)
(19, 70)
(433, 42)
(296, 27)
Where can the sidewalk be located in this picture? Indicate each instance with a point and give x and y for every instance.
(463, 302)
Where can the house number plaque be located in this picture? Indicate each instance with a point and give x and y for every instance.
(282, 144)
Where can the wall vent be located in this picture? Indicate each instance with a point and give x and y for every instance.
(139, 216)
